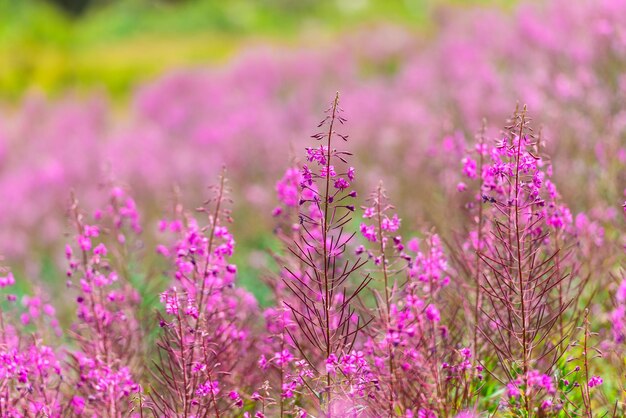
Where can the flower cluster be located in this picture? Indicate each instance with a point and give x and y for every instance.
(107, 330)
(31, 376)
(532, 385)
(203, 326)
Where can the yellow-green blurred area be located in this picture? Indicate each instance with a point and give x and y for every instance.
(77, 44)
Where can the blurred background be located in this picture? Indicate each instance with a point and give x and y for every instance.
(114, 44)
(159, 95)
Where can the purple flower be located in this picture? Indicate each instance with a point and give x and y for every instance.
(208, 388)
(341, 184)
(391, 225)
(369, 232)
(432, 313)
(595, 381)
(7, 280)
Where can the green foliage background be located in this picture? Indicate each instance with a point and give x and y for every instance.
(115, 44)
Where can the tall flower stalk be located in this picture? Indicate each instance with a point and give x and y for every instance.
(204, 330)
(326, 316)
(387, 253)
(107, 331)
(522, 272)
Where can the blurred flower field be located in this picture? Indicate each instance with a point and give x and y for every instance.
(449, 241)
(117, 44)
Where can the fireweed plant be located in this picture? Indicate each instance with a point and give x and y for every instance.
(30, 373)
(412, 350)
(107, 333)
(364, 322)
(326, 315)
(526, 268)
(204, 331)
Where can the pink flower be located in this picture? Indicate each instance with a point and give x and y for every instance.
(277, 211)
(78, 405)
(170, 300)
(8, 280)
(208, 388)
(426, 413)
(466, 353)
(392, 224)
(49, 310)
(101, 250)
(547, 404)
(317, 154)
(537, 379)
(287, 390)
(91, 231)
(287, 187)
(413, 245)
(235, 397)
(162, 250)
(369, 212)
(595, 381)
(341, 184)
(369, 232)
(328, 171)
(84, 243)
(351, 173)
(331, 363)
(68, 252)
(432, 313)
(512, 389)
(469, 167)
(262, 362)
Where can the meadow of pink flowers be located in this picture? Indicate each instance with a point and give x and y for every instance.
(509, 300)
